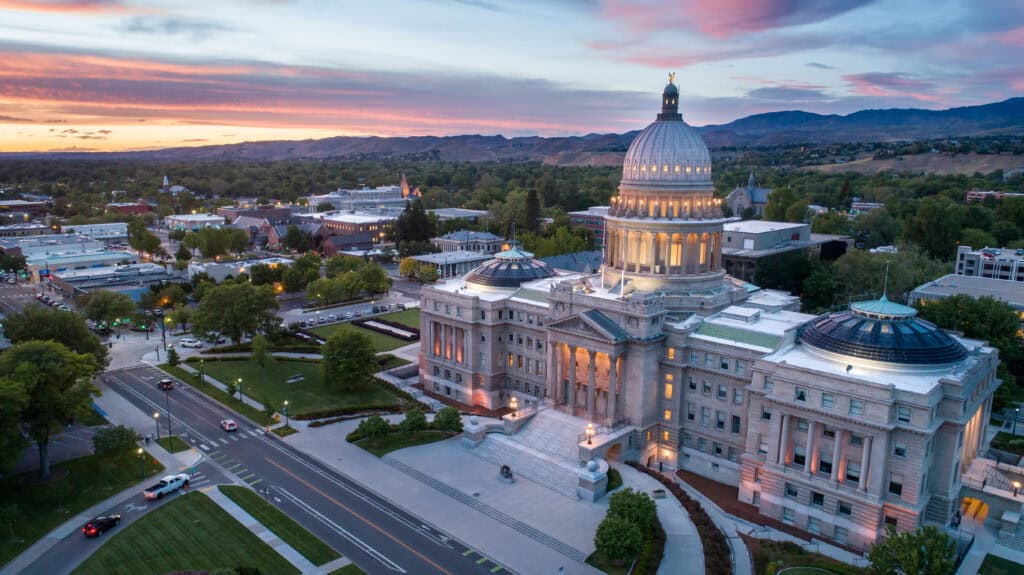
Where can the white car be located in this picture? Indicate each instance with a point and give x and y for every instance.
(190, 342)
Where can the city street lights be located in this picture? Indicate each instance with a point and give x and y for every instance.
(163, 332)
(142, 461)
(201, 380)
(1016, 487)
(590, 433)
(156, 420)
(287, 420)
(1016, 416)
(240, 396)
(515, 406)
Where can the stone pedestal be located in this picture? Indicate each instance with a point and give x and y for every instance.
(593, 480)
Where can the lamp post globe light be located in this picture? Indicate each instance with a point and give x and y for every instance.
(1016, 487)
(515, 406)
(287, 420)
(142, 461)
(590, 433)
(241, 397)
(156, 420)
(1016, 416)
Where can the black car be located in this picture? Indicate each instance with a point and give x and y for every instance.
(166, 384)
(98, 525)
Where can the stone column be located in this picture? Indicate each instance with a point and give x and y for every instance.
(591, 384)
(444, 341)
(571, 391)
(784, 443)
(878, 482)
(776, 443)
(865, 455)
(552, 376)
(613, 361)
(837, 454)
(809, 451)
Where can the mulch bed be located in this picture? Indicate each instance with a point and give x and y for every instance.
(463, 408)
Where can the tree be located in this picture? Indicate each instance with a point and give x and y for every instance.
(42, 323)
(831, 223)
(265, 274)
(325, 207)
(106, 306)
(532, 211)
(259, 350)
(786, 271)
(348, 359)
(936, 226)
(860, 275)
(192, 242)
(618, 539)
(13, 401)
(114, 440)
(374, 277)
(171, 296)
(779, 203)
(173, 358)
(876, 228)
(236, 310)
(634, 506)
(181, 315)
(140, 239)
(237, 240)
(374, 428)
(414, 226)
(297, 240)
(415, 421)
(408, 267)
(58, 384)
(927, 551)
(338, 265)
(183, 253)
(448, 419)
(231, 387)
(977, 238)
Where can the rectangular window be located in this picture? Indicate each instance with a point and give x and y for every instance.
(903, 414)
(841, 534)
(737, 396)
(706, 387)
(741, 367)
(852, 471)
(890, 520)
(844, 508)
(702, 444)
(693, 384)
(735, 429)
(828, 432)
(519, 361)
(733, 455)
(664, 435)
(824, 464)
(817, 499)
(458, 312)
(756, 500)
(720, 420)
(896, 484)
(791, 491)
(769, 383)
(709, 360)
(802, 425)
(800, 394)
(717, 447)
(668, 415)
(899, 450)
(671, 353)
(529, 342)
(788, 515)
(814, 525)
(799, 455)
(511, 359)
(856, 407)
(668, 391)
(705, 417)
(762, 445)
(694, 357)
(691, 411)
(723, 392)
(724, 364)
(766, 415)
(828, 400)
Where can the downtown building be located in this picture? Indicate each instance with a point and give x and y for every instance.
(839, 424)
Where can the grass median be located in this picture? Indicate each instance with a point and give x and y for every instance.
(173, 444)
(398, 440)
(409, 317)
(216, 393)
(31, 507)
(285, 527)
(190, 533)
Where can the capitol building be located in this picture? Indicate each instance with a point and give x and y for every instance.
(838, 424)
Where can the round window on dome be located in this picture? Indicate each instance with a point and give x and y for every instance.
(677, 168)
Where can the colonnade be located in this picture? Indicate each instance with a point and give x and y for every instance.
(447, 342)
(658, 206)
(663, 253)
(570, 391)
(873, 452)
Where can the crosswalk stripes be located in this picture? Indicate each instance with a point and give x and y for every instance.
(468, 553)
(234, 438)
(203, 447)
(224, 441)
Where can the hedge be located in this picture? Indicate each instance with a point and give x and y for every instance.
(652, 551)
(717, 557)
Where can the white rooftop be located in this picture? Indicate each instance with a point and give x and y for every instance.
(355, 218)
(759, 226)
(444, 258)
(196, 218)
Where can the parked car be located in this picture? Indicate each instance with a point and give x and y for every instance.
(228, 425)
(349, 315)
(166, 384)
(332, 317)
(97, 525)
(167, 485)
(190, 342)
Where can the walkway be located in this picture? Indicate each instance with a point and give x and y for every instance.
(267, 536)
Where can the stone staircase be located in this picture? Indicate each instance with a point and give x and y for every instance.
(533, 465)
(553, 433)
(477, 505)
(1017, 542)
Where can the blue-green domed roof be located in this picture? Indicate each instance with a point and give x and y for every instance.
(509, 269)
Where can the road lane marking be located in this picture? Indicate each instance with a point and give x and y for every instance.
(467, 553)
(224, 441)
(351, 511)
(233, 438)
(496, 568)
(481, 561)
(203, 447)
(246, 478)
(255, 483)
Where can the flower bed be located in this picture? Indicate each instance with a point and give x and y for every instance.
(717, 557)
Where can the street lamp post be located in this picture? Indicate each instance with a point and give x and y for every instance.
(201, 379)
(241, 397)
(163, 331)
(515, 406)
(142, 461)
(156, 420)
(287, 420)
(590, 433)
(1016, 487)
(157, 354)
(1016, 416)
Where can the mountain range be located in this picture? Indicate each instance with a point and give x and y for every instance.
(773, 128)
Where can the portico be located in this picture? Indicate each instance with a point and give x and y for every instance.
(586, 354)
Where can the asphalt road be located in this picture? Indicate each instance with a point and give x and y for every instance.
(14, 297)
(379, 537)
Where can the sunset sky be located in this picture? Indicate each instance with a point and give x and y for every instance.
(125, 74)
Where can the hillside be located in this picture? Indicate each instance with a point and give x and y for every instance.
(941, 164)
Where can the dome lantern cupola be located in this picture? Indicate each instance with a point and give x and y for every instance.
(670, 101)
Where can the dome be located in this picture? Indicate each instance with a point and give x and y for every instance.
(509, 269)
(883, 331)
(668, 152)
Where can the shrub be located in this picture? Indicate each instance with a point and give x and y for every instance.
(173, 358)
(633, 506)
(114, 440)
(614, 479)
(618, 539)
(414, 421)
(448, 419)
(373, 427)
(652, 551)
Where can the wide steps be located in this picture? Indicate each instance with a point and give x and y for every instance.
(474, 503)
(537, 467)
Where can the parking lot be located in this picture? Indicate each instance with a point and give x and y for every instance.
(334, 315)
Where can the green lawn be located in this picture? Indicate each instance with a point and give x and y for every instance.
(233, 402)
(173, 444)
(398, 440)
(805, 571)
(796, 560)
(380, 341)
(993, 565)
(284, 431)
(409, 317)
(31, 509)
(190, 533)
(268, 383)
(283, 526)
(350, 569)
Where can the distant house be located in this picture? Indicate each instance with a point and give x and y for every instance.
(332, 245)
(257, 228)
(277, 233)
(748, 197)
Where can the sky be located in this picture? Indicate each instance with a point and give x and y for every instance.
(102, 75)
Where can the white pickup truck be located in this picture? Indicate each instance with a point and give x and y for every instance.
(167, 485)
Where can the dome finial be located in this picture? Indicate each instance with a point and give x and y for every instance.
(671, 77)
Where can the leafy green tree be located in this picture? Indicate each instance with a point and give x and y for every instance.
(58, 384)
(192, 242)
(779, 203)
(977, 238)
(936, 226)
(293, 280)
(106, 306)
(181, 315)
(183, 253)
(264, 274)
(818, 291)
(141, 239)
(786, 271)
(876, 228)
(338, 265)
(348, 359)
(414, 226)
(415, 421)
(171, 296)
(532, 208)
(297, 240)
(43, 323)
(237, 240)
(634, 506)
(408, 267)
(374, 428)
(1005, 232)
(325, 207)
(927, 551)
(231, 387)
(426, 273)
(618, 539)
(13, 401)
(114, 440)
(173, 358)
(236, 310)
(831, 223)
(374, 277)
(259, 351)
(448, 419)
(860, 275)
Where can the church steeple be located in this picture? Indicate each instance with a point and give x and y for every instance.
(670, 101)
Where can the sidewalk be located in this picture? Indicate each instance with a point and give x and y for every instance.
(267, 536)
(245, 398)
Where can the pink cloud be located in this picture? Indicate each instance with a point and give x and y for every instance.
(72, 6)
(893, 84)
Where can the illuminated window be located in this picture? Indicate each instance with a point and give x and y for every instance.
(689, 169)
(671, 353)
(511, 360)
(668, 391)
(643, 167)
(677, 168)
(668, 415)
(664, 435)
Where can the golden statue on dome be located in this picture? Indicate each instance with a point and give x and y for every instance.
(671, 77)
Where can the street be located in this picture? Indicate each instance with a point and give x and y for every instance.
(378, 536)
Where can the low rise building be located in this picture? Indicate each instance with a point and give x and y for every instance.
(32, 208)
(219, 271)
(454, 264)
(857, 207)
(48, 244)
(135, 208)
(41, 265)
(362, 199)
(23, 230)
(105, 232)
(471, 216)
(748, 243)
(469, 241)
(982, 195)
(133, 279)
(1008, 291)
(335, 245)
(750, 197)
(347, 223)
(193, 222)
(264, 211)
(591, 219)
(996, 263)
